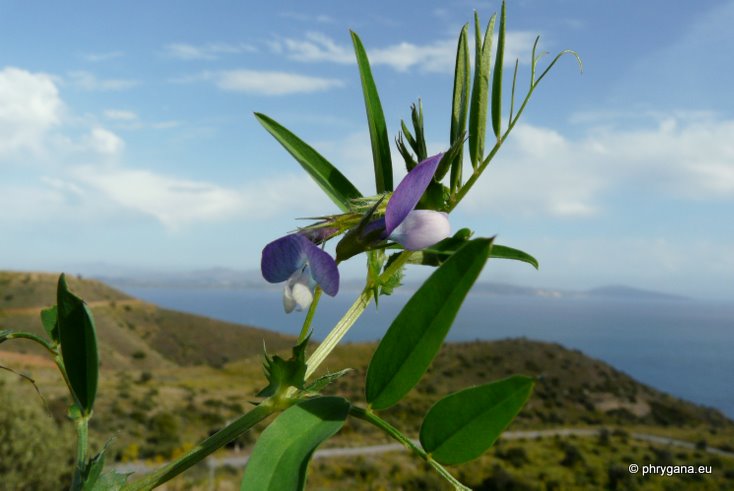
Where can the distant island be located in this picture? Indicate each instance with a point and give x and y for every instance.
(226, 278)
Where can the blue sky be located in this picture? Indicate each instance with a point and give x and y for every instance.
(127, 139)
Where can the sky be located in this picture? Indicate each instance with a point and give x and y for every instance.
(128, 142)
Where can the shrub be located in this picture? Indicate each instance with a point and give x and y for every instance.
(33, 449)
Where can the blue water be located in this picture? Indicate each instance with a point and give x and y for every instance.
(685, 348)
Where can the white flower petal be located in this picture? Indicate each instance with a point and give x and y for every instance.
(302, 295)
(298, 293)
(421, 229)
(289, 302)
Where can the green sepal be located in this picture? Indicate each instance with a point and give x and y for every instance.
(388, 286)
(282, 374)
(434, 198)
(356, 240)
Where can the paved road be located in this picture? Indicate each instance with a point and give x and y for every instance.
(241, 460)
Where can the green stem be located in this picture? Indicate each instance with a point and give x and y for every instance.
(205, 448)
(82, 440)
(309, 316)
(372, 418)
(350, 317)
(338, 332)
(483, 165)
(38, 339)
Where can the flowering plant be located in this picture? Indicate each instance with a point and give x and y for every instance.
(406, 224)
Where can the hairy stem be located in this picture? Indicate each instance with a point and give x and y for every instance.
(338, 332)
(350, 317)
(372, 418)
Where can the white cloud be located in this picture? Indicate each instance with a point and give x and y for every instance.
(104, 142)
(120, 115)
(29, 106)
(438, 56)
(309, 18)
(100, 57)
(273, 83)
(209, 51)
(173, 201)
(89, 81)
(543, 172)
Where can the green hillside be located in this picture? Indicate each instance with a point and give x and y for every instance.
(132, 333)
(168, 379)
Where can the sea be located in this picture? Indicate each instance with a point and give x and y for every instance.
(680, 346)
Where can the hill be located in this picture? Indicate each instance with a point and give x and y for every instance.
(132, 333)
(170, 378)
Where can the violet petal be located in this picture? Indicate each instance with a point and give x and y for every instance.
(409, 192)
(323, 269)
(283, 256)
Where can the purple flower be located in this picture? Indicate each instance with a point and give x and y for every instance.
(415, 229)
(302, 265)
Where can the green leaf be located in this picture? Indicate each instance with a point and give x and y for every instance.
(418, 331)
(504, 252)
(328, 177)
(281, 454)
(78, 346)
(4, 335)
(375, 120)
(480, 90)
(49, 318)
(93, 471)
(93, 478)
(463, 425)
(320, 383)
(460, 103)
(438, 253)
(282, 374)
(110, 481)
(497, 80)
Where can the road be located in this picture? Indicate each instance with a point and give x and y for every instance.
(241, 460)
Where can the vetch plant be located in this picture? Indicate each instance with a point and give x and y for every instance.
(395, 227)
